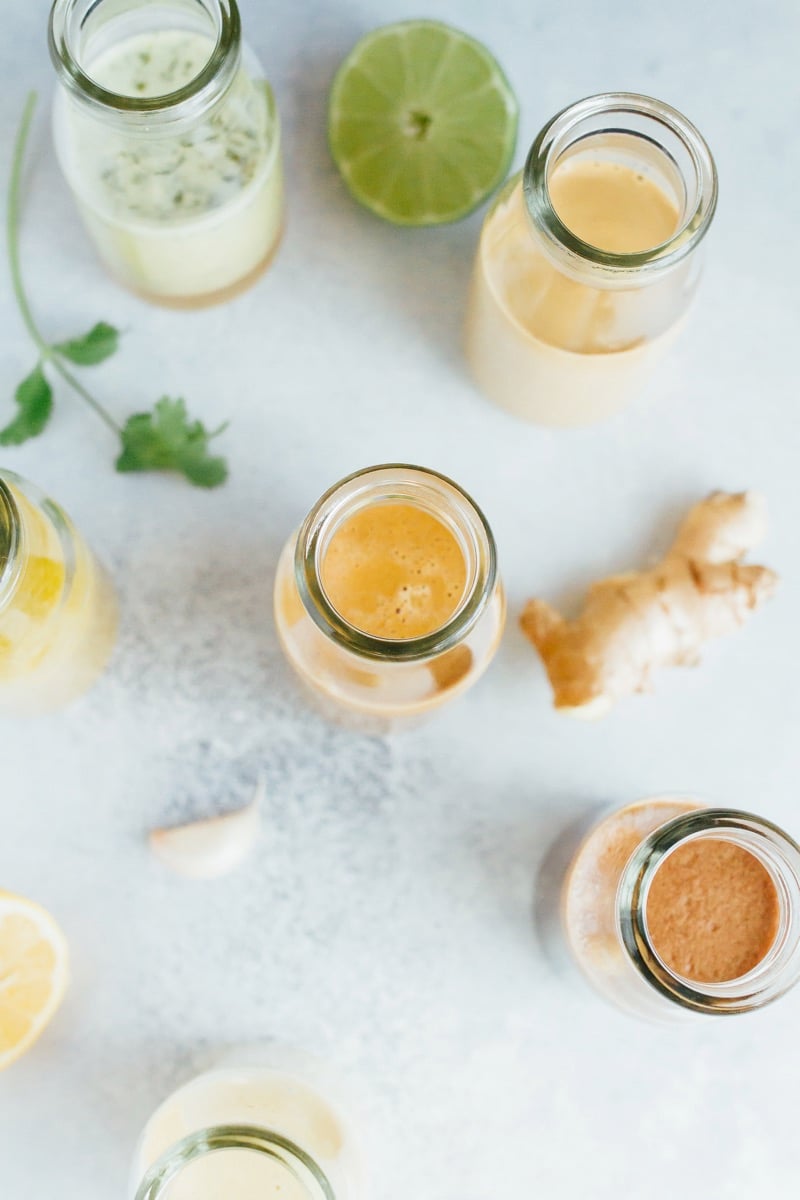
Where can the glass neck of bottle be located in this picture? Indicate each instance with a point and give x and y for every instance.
(82, 30)
(179, 1172)
(646, 136)
(10, 543)
(398, 484)
(780, 856)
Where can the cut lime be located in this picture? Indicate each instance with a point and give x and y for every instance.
(422, 123)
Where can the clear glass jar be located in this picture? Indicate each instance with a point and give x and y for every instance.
(605, 908)
(168, 136)
(560, 330)
(246, 1132)
(256, 1162)
(58, 613)
(357, 672)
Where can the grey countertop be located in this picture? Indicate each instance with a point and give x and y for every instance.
(385, 922)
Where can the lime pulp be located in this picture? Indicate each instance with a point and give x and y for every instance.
(422, 123)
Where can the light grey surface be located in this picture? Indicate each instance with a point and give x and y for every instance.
(385, 922)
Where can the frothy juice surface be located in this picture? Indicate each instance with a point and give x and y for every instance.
(712, 911)
(153, 64)
(394, 571)
(612, 206)
(201, 170)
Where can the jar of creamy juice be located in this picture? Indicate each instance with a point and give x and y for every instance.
(168, 136)
(671, 908)
(388, 601)
(588, 260)
(248, 1133)
(58, 613)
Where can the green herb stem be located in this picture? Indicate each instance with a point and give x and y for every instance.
(12, 234)
(75, 384)
(164, 439)
(12, 223)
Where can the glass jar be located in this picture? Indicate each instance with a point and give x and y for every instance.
(565, 329)
(58, 613)
(389, 677)
(605, 908)
(248, 1132)
(168, 136)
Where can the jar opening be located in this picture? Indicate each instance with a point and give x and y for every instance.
(83, 31)
(713, 910)
(422, 490)
(229, 1158)
(777, 964)
(648, 137)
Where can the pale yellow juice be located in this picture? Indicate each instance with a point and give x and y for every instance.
(58, 622)
(547, 343)
(270, 1100)
(237, 1174)
(186, 217)
(612, 206)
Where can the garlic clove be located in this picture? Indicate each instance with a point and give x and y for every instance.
(212, 847)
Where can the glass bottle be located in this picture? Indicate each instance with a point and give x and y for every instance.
(248, 1132)
(58, 613)
(605, 908)
(389, 677)
(168, 136)
(255, 1161)
(567, 321)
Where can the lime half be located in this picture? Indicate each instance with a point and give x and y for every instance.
(422, 122)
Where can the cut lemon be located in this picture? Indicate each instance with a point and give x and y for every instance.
(422, 123)
(40, 587)
(33, 973)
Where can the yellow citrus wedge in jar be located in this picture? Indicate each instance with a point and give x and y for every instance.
(33, 974)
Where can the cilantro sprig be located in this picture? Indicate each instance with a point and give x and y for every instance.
(164, 439)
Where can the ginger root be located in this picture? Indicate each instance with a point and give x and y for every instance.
(634, 623)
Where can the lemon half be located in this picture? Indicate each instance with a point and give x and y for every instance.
(33, 973)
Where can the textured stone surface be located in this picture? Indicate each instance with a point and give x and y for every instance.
(386, 921)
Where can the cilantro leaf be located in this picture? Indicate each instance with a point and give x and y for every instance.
(35, 399)
(167, 440)
(94, 347)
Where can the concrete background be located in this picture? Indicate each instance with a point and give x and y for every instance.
(385, 922)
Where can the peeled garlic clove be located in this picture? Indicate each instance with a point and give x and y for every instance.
(212, 847)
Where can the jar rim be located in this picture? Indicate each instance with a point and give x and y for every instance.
(214, 1138)
(205, 88)
(778, 852)
(10, 542)
(563, 130)
(342, 500)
